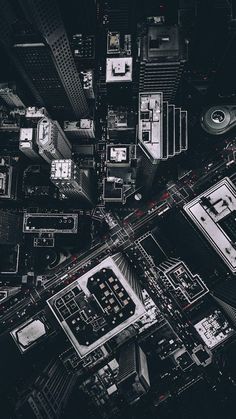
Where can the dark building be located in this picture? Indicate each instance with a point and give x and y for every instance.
(225, 295)
(119, 15)
(162, 54)
(7, 292)
(51, 77)
(9, 227)
(121, 124)
(133, 377)
(72, 181)
(9, 94)
(48, 394)
(83, 46)
(37, 61)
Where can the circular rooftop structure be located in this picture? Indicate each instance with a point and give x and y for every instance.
(217, 120)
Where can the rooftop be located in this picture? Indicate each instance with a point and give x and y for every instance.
(113, 43)
(186, 287)
(119, 69)
(161, 42)
(214, 329)
(62, 169)
(214, 213)
(49, 222)
(43, 132)
(26, 137)
(150, 124)
(28, 334)
(96, 307)
(113, 189)
(118, 154)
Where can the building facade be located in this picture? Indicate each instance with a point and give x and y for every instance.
(47, 396)
(52, 78)
(133, 377)
(52, 141)
(72, 181)
(162, 54)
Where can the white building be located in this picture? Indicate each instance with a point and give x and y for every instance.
(214, 213)
(98, 305)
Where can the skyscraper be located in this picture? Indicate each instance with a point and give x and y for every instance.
(72, 181)
(52, 141)
(9, 227)
(133, 377)
(225, 295)
(162, 54)
(213, 212)
(162, 132)
(27, 143)
(119, 15)
(36, 59)
(51, 76)
(48, 20)
(48, 394)
(8, 20)
(9, 95)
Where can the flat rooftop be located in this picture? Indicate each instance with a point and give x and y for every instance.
(10, 256)
(214, 213)
(62, 169)
(150, 124)
(28, 334)
(187, 287)
(118, 154)
(26, 137)
(161, 42)
(119, 69)
(214, 329)
(113, 189)
(48, 222)
(113, 43)
(120, 118)
(96, 307)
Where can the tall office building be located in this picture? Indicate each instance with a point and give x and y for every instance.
(8, 20)
(119, 15)
(225, 295)
(84, 128)
(162, 132)
(47, 396)
(162, 54)
(185, 287)
(47, 18)
(27, 143)
(9, 227)
(8, 94)
(52, 141)
(36, 59)
(72, 181)
(133, 377)
(51, 76)
(213, 213)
